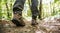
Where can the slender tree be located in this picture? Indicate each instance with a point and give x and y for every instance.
(7, 9)
(40, 10)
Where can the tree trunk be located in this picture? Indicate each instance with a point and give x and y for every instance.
(40, 10)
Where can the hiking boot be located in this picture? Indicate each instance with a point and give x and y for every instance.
(34, 22)
(18, 20)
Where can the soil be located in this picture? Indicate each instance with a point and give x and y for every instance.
(42, 27)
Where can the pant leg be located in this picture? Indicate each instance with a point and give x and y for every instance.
(18, 6)
(34, 9)
(17, 11)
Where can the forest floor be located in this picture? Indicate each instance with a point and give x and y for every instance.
(47, 25)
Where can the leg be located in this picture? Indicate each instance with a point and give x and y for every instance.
(17, 11)
(34, 11)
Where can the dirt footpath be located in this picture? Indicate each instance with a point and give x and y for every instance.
(44, 26)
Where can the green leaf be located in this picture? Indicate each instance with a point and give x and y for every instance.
(55, 1)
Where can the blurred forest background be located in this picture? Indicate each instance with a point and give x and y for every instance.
(46, 8)
(48, 24)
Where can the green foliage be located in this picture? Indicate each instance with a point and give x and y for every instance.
(56, 1)
(29, 13)
(6, 7)
(0, 10)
